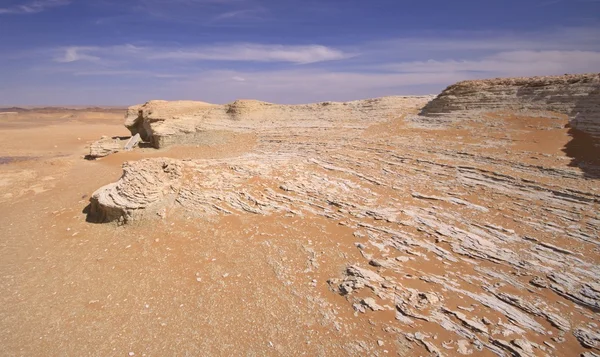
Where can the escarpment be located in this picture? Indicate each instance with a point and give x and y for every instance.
(577, 96)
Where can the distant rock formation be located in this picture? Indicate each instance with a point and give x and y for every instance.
(164, 123)
(574, 95)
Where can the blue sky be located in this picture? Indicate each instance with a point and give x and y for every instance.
(123, 52)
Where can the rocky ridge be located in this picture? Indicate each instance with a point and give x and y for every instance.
(166, 123)
(577, 96)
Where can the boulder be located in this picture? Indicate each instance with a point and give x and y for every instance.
(104, 147)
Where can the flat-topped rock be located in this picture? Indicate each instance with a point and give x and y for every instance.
(164, 123)
(577, 96)
(105, 146)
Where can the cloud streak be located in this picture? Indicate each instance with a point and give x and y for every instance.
(246, 52)
(511, 63)
(34, 7)
(256, 53)
(73, 54)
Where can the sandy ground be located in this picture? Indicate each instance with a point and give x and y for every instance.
(225, 285)
(232, 286)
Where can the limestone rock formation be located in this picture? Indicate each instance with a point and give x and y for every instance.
(146, 185)
(105, 146)
(577, 96)
(164, 123)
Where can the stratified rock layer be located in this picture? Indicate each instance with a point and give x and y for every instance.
(166, 123)
(577, 96)
(105, 146)
(146, 185)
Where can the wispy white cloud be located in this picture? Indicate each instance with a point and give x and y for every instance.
(245, 14)
(234, 52)
(469, 44)
(73, 54)
(33, 7)
(97, 54)
(207, 12)
(256, 53)
(512, 63)
(127, 73)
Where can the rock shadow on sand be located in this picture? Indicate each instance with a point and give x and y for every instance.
(584, 148)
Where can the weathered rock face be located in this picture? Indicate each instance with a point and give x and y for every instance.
(105, 146)
(187, 122)
(146, 186)
(585, 116)
(577, 96)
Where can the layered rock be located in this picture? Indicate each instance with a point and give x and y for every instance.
(146, 185)
(574, 95)
(166, 123)
(105, 146)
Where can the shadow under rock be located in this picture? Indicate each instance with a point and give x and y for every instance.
(584, 149)
(584, 152)
(88, 214)
(91, 216)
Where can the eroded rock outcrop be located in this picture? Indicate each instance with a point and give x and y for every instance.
(106, 146)
(146, 186)
(577, 96)
(166, 123)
